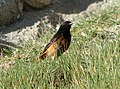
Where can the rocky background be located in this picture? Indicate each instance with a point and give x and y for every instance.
(23, 20)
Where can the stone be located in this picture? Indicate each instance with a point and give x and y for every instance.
(38, 3)
(10, 10)
(33, 23)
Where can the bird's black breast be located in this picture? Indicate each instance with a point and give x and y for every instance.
(64, 44)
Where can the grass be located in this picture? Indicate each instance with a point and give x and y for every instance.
(92, 61)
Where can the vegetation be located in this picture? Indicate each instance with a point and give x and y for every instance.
(92, 61)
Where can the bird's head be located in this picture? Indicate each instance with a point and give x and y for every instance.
(67, 23)
(65, 26)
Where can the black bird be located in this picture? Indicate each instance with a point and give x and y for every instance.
(59, 43)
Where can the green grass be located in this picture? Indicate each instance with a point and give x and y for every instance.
(92, 61)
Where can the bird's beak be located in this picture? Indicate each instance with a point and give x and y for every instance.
(70, 23)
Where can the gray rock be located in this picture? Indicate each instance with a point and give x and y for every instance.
(9, 11)
(33, 22)
(38, 3)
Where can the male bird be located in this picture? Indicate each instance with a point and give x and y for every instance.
(59, 43)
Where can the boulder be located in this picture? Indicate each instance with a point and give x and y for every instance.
(10, 10)
(38, 3)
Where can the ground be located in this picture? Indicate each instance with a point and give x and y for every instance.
(33, 21)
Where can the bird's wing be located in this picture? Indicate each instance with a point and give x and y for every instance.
(56, 38)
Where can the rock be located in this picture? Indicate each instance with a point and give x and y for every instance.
(10, 10)
(21, 35)
(38, 3)
(33, 23)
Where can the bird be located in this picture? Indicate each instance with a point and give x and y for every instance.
(59, 43)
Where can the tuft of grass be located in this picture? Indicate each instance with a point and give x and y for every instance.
(91, 62)
(100, 20)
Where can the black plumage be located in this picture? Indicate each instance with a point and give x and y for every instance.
(59, 43)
